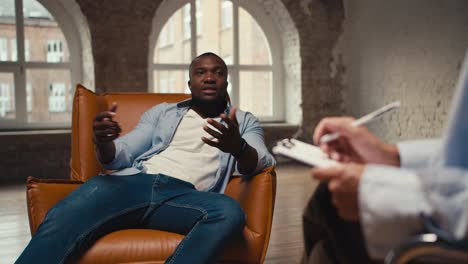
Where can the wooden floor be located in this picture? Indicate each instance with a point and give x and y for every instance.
(294, 187)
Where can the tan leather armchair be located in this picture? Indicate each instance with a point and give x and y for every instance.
(256, 196)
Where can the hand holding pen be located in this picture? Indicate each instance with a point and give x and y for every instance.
(346, 140)
(364, 120)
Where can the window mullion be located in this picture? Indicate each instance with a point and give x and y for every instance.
(193, 28)
(19, 31)
(235, 17)
(48, 65)
(20, 76)
(255, 67)
(163, 66)
(235, 73)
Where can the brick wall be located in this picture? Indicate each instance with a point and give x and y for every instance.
(31, 154)
(319, 26)
(119, 38)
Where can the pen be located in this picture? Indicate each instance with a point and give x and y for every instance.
(364, 120)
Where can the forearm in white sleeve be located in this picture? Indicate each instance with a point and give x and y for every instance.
(391, 202)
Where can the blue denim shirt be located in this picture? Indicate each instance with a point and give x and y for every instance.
(155, 131)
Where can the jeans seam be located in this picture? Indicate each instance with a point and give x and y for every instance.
(93, 227)
(187, 237)
(187, 206)
(155, 184)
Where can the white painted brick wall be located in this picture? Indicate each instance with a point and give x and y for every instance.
(408, 51)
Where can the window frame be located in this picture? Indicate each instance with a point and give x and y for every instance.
(265, 22)
(21, 65)
(226, 6)
(168, 35)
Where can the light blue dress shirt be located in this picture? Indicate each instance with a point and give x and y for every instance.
(429, 191)
(154, 133)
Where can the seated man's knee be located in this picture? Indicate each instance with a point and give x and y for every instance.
(232, 213)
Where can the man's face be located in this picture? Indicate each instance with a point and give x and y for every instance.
(208, 81)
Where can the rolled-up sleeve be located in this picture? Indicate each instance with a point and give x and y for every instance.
(136, 142)
(253, 134)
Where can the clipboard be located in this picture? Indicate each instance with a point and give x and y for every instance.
(303, 152)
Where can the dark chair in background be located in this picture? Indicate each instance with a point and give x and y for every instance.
(430, 249)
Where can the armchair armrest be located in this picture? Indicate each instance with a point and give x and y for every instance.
(259, 190)
(257, 197)
(42, 194)
(428, 248)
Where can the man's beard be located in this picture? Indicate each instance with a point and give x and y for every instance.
(217, 103)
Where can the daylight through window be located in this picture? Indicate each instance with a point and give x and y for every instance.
(232, 32)
(35, 67)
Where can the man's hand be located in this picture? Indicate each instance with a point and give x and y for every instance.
(228, 139)
(104, 128)
(343, 183)
(355, 144)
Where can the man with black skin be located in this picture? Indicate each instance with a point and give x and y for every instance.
(170, 174)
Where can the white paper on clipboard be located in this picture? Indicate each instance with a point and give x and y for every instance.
(303, 152)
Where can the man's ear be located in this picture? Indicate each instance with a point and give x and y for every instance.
(189, 85)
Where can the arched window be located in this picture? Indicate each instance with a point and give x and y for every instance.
(244, 36)
(39, 64)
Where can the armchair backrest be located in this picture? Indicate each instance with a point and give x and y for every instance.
(86, 104)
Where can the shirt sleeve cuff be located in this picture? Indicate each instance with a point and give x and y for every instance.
(264, 160)
(120, 156)
(411, 155)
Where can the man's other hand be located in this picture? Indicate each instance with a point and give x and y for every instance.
(104, 128)
(228, 138)
(343, 183)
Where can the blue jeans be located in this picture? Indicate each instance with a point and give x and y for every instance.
(109, 203)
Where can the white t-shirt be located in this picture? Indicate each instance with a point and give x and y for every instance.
(187, 157)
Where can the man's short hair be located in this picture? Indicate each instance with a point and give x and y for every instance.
(206, 54)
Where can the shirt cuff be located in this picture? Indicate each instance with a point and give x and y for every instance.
(264, 160)
(411, 155)
(119, 156)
